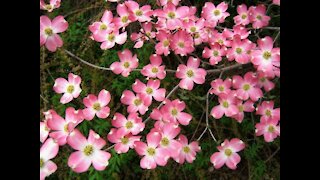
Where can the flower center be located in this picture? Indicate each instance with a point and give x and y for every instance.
(97, 106)
(266, 55)
(220, 41)
(221, 88)
(129, 125)
(259, 17)
(164, 141)
(126, 64)
(215, 53)
(41, 162)
(225, 104)
(216, 12)
(70, 89)
(48, 31)
(124, 140)
(196, 35)
(151, 151)
(171, 15)
(268, 112)
(186, 149)
(138, 13)
(88, 150)
(181, 44)
(137, 102)
(65, 128)
(240, 107)
(190, 73)
(227, 152)
(124, 19)
(111, 37)
(174, 112)
(193, 29)
(238, 50)
(46, 128)
(48, 7)
(166, 43)
(271, 129)
(244, 16)
(246, 87)
(149, 90)
(154, 70)
(263, 79)
(103, 27)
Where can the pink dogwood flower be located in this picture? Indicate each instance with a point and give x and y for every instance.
(135, 102)
(172, 111)
(123, 141)
(267, 58)
(139, 14)
(88, 152)
(166, 2)
(228, 154)
(154, 69)
(51, 6)
(213, 14)
(48, 150)
(239, 50)
(243, 107)
(144, 35)
(149, 91)
(127, 63)
(163, 47)
(152, 153)
(156, 114)
(97, 105)
(187, 151)
(133, 124)
(276, 2)
(218, 86)
(122, 21)
(241, 31)
(267, 111)
(182, 43)
(227, 105)
(215, 53)
(269, 129)
(61, 128)
(44, 131)
(243, 15)
(258, 16)
(110, 39)
(70, 88)
(191, 73)
(221, 38)
(247, 87)
(105, 25)
(265, 82)
(49, 32)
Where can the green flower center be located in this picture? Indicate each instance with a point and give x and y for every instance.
(174, 112)
(241, 108)
(166, 43)
(137, 102)
(190, 73)
(263, 79)
(88, 150)
(196, 35)
(48, 7)
(268, 112)
(215, 53)
(193, 29)
(246, 87)
(41, 162)
(97, 106)
(244, 16)
(186, 149)
(225, 104)
(111, 37)
(149, 90)
(216, 12)
(259, 17)
(124, 140)
(65, 128)
(154, 70)
(70, 89)
(271, 129)
(171, 15)
(181, 44)
(48, 31)
(221, 88)
(164, 141)
(227, 152)
(139, 13)
(126, 64)
(238, 50)
(103, 27)
(129, 125)
(220, 41)
(151, 151)
(124, 19)
(266, 55)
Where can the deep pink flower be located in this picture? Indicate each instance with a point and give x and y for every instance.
(149, 91)
(105, 25)
(49, 32)
(172, 111)
(127, 63)
(247, 87)
(243, 17)
(135, 102)
(194, 27)
(123, 20)
(61, 128)
(267, 111)
(163, 47)
(243, 107)
(153, 155)
(267, 58)
(182, 43)
(213, 14)
(227, 105)
(215, 53)
(44, 131)
(258, 16)
(138, 14)
(123, 141)
(239, 50)
(187, 151)
(220, 38)
(191, 73)
(51, 6)
(109, 39)
(228, 154)
(48, 150)
(133, 124)
(71, 87)
(154, 69)
(269, 129)
(97, 106)
(88, 152)
(265, 82)
(218, 86)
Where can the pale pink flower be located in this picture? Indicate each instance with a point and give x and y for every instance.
(243, 107)
(110, 39)
(49, 32)
(61, 128)
(88, 152)
(241, 31)
(215, 53)
(172, 111)
(70, 88)
(243, 15)
(150, 90)
(152, 153)
(133, 124)
(267, 111)
(182, 43)
(156, 114)
(218, 86)
(97, 105)
(227, 105)
(165, 2)
(221, 38)
(276, 2)
(122, 21)
(196, 29)
(127, 63)
(188, 151)
(163, 47)
(123, 141)
(228, 154)
(258, 17)
(105, 25)
(191, 73)
(51, 6)
(240, 50)
(247, 87)
(265, 82)
(154, 69)
(138, 14)
(48, 150)
(213, 14)
(135, 102)
(269, 129)
(44, 131)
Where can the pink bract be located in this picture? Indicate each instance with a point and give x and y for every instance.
(172, 111)
(127, 63)
(48, 150)
(150, 90)
(122, 139)
(51, 6)
(188, 151)
(70, 88)
(97, 105)
(154, 69)
(135, 102)
(247, 87)
(133, 124)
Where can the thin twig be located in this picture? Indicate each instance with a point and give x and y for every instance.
(44, 99)
(276, 37)
(110, 147)
(273, 154)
